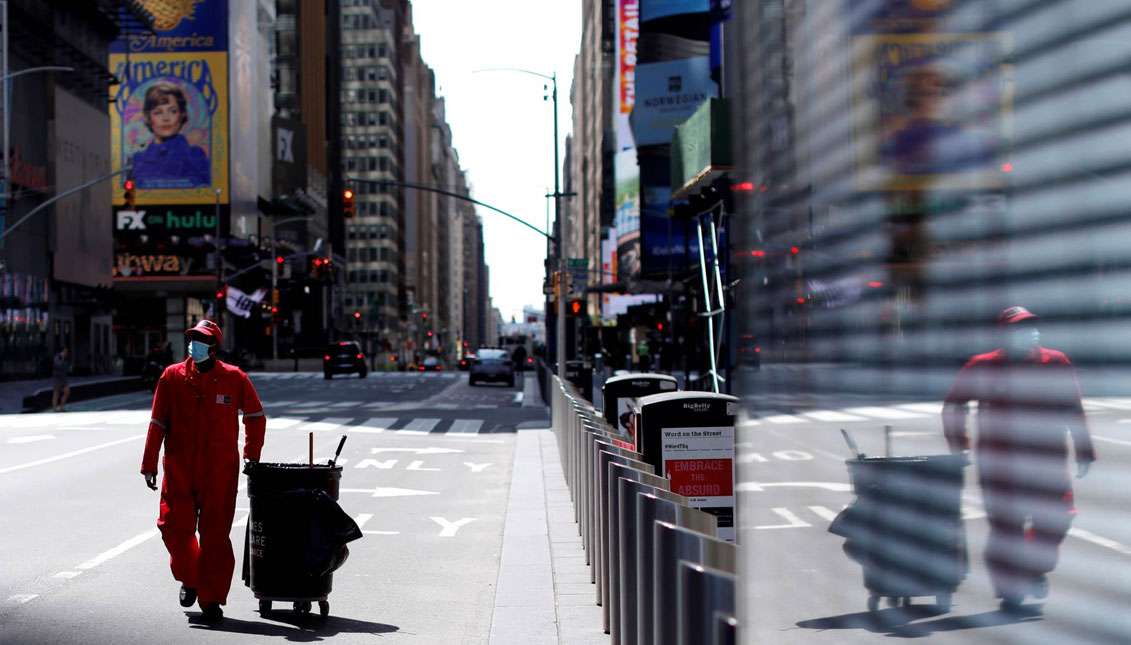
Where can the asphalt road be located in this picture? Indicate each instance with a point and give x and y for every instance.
(793, 481)
(427, 472)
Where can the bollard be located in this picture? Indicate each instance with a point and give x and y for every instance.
(651, 508)
(611, 558)
(703, 593)
(627, 493)
(724, 630)
(606, 454)
(673, 544)
(585, 484)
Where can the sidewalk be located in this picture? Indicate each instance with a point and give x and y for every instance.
(543, 594)
(13, 393)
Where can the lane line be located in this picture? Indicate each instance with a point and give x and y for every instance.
(118, 550)
(885, 413)
(22, 598)
(31, 439)
(1099, 540)
(1121, 442)
(465, 426)
(68, 455)
(824, 513)
(67, 575)
(786, 514)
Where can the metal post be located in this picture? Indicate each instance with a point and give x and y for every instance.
(6, 103)
(562, 241)
(219, 262)
(274, 290)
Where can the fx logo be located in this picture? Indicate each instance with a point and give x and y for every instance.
(131, 221)
(284, 149)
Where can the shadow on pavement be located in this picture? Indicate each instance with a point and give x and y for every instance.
(902, 621)
(298, 628)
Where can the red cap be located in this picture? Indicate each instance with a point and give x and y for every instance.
(1013, 315)
(208, 328)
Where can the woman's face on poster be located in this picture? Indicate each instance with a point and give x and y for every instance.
(165, 119)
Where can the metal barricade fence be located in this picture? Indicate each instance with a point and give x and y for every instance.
(619, 503)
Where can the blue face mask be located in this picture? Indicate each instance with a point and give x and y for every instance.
(198, 351)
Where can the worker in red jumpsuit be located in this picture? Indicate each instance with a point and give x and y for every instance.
(1027, 398)
(195, 414)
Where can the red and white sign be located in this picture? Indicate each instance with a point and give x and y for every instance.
(699, 464)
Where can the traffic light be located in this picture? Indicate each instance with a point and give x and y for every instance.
(220, 293)
(347, 204)
(575, 307)
(424, 316)
(357, 315)
(131, 194)
(280, 260)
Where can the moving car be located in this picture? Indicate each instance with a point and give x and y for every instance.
(430, 364)
(491, 365)
(465, 362)
(345, 357)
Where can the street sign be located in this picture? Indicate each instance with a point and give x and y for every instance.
(548, 289)
(578, 263)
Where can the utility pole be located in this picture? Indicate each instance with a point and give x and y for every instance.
(219, 265)
(562, 241)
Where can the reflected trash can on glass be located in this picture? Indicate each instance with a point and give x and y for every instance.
(905, 527)
(296, 534)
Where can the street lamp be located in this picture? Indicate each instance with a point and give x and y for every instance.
(563, 235)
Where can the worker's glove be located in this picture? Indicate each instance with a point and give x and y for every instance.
(150, 480)
(1082, 468)
(248, 465)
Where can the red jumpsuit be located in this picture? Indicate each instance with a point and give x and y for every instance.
(1024, 407)
(195, 414)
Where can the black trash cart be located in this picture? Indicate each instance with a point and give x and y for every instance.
(905, 527)
(296, 534)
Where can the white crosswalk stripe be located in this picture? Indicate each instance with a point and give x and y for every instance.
(831, 415)
(885, 413)
(1110, 403)
(419, 426)
(374, 425)
(325, 425)
(932, 408)
(347, 404)
(783, 419)
(311, 404)
(282, 423)
(268, 405)
(465, 426)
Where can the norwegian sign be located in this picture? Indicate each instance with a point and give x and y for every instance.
(666, 94)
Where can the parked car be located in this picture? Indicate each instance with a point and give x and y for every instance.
(491, 365)
(345, 357)
(465, 362)
(430, 364)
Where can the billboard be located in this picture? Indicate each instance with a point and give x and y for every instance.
(666, 94)
(626, 171)
(652, 9)
(169, 113)
(931, 105)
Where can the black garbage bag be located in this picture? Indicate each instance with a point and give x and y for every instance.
(328, 531)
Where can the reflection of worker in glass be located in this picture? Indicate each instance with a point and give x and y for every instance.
(1028, 401)
(924, 141)
(169, 160)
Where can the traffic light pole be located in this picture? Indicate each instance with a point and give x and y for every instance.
(275, 282)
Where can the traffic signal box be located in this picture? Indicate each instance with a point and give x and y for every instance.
(348, 210)
(130, 190)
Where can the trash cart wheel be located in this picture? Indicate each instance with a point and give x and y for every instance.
(302, 607)
(873, 603)
(942, 601)
(264, 607)
(323, 608)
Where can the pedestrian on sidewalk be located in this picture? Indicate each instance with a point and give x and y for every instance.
(195, 414)
(59, 367)
(1028, 396)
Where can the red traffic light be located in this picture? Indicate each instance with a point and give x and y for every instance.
(357, 314)
(575, 306)
(317, 262)
(274, 310)
(429, 334)
(279, 259)
(129, 185)
(348, 194)
(659, 326)
(424, 316)
(219, 295)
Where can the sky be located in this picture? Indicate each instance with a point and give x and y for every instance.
(502, 127)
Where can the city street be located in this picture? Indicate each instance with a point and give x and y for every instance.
(806, 590)
(427, 469)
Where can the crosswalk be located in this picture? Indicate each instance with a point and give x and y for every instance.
(304, 376)
(901, 412)
(275, 407)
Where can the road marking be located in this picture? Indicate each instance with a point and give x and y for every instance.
(418, 451)
(475, 468)
(282, 423)
(389, 492)
(383, 465)
(926, 408)
(346, 404)
(130, 418)
(326, 425)
(374, 425)
(22, 598)
(910, 433)
(486, 406)
(449, 529)
(465, 426)
(418, 466)
(1112, 402)
(118, 550)
(758, 487)
(310, 404)
(376, 404)
(243, 520)
(1120, 442)
(67, 575)
(518, 396)
(361, 520)
(884, 413)
(32, 438)
(794, 521)
(68, 455)
(824, 513)
(793, 455)
(277, 404)
(783, 418)
(751, 457)
(830, 415)
(1088, 536)
(419, 426)
(446, 406)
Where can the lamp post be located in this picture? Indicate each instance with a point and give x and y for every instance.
(563, 231)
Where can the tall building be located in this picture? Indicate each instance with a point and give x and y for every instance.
(373, 146)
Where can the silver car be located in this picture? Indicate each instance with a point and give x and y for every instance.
(491, 365)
